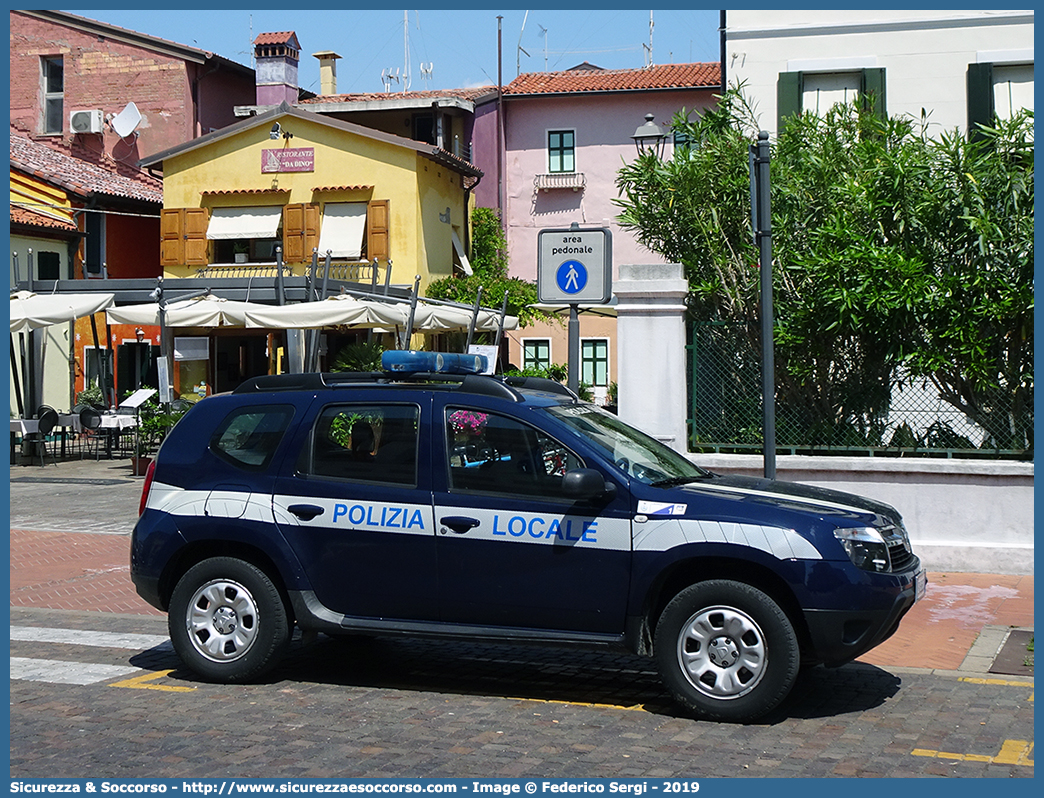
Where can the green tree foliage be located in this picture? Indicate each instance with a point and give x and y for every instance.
(896, 256)
(489, 263)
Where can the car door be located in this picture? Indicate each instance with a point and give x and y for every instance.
(513, 551)
(356, 506)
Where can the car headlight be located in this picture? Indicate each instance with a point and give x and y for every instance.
(865, 546)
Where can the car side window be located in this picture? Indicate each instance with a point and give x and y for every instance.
(248, 436)
(367, 443)
(491, 453)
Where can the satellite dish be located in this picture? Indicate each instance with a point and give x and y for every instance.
(126, 121)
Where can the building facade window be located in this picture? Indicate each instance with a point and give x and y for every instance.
(536, 353)
(48, 266)
(997, 91)
(594, 362)
(818, 92)
(561, 151)
(52, 74)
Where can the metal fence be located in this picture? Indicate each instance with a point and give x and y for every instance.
(725, 410)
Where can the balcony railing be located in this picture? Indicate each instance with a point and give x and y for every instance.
(573, 180)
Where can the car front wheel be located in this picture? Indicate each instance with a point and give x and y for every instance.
(227, 620)
(726, 651)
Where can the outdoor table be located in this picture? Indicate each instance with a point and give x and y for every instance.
(114, 424)
(20, 427)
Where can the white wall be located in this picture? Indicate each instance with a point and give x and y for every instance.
(973, 516)
(925, 53)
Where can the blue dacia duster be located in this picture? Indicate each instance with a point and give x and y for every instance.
(414, 501)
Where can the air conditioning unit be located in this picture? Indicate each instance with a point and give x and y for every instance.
(86, 121)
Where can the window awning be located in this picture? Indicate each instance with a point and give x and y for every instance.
(343, 228)
(252, 222)
(459, 249)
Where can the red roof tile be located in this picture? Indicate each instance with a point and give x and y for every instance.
(466, 94)
(582, 80)
(233, 191)
(281, 37)
(342, 188)
(28, 217)
(81, 177)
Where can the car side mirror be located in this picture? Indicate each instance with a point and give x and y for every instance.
(587, 484)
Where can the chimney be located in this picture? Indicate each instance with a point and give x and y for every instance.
(275, 73)
(327, 71)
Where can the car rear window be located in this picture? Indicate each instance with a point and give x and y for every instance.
(249, 436)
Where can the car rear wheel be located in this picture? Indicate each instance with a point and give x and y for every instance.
(726, 651)
(227, 620)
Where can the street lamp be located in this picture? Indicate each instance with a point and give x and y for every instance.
(650, 137)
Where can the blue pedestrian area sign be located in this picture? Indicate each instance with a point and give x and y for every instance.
(575, 266)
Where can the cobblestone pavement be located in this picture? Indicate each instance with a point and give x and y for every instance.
(398, 708)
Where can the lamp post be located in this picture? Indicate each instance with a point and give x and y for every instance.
(650, 137)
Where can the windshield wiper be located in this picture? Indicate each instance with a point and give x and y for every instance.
(672, 482)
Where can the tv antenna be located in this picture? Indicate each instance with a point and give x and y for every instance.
(521, 49)
(648, 47)
(543, 32)
(426, 72)
(387, 76)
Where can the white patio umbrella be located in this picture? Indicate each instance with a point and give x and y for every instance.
(31, 311)
(444, 318)
(342, 309)
(204, 311)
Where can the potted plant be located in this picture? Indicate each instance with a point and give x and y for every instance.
(154, 422)
(240, 250)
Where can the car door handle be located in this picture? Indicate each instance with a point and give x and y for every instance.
(458, 524)
(306, 512)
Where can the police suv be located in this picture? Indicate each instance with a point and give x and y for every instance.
(420, 500)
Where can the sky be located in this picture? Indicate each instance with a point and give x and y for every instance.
(447, 48)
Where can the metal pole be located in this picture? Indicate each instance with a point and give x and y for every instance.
(768, 366)
(413, 311)
(280, 296)
(474, 319)
(573, 382)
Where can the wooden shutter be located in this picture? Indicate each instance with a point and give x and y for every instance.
(872, 84)
(197, 247)
(377, 224)
(172, 247)
(300, 232)
(183, 237)
(788, 96)
(980, 98)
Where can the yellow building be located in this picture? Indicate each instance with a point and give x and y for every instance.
(289, 183)
(292, 187)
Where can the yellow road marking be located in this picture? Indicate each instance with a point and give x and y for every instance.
(140, 683)
(1006, 682)
(1013, 752)
(633, 708)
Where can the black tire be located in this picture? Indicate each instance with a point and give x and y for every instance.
(726, 651)
(227, 620)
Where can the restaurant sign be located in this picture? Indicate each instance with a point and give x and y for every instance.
(296, 159)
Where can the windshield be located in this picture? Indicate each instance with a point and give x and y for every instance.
(637, 454)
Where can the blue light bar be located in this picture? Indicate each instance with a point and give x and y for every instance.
(402, 362)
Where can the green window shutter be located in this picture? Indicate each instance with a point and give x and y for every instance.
(788, 96)
(873, 83)
(980, 97)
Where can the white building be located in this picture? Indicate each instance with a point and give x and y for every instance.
(961, 66)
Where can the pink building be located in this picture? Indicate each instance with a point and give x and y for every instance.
(566, 135)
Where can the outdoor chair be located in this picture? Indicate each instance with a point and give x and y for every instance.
(47, 420)
(90, 421)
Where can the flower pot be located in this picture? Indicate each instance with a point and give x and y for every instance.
(139, 465)
(241, 257)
